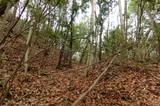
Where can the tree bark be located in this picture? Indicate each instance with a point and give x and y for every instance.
(126, 20)
(139, 19)
(121, 18)
(73, 14)
(29, 40)
(28, 49)
(90, 46)
(83, 54)
(100, 42)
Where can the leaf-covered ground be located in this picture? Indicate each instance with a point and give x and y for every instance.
(126, 83)
(130, 84)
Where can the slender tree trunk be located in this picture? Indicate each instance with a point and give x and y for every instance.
(83, 54)
(71, 42)
(121, 18)
(139, 19)
(90, 47)
(126, 20)
(15, 11)
(61, 56)
(49, 16)
(37, 22)
(28, 49)
(100, 42)
(159, 46)
(73, 14)
(108, 24)
(29, 40)
(63, 44)
(140, 12)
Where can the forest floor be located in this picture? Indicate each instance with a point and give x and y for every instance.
(126, 83)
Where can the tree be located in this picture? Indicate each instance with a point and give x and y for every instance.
(144, 24)
(121, 17)
(66, 51)
(112, 41)
(91, 37)
(155, 26)
(74, 11)
(104, 6)
(2, 43)
(29, 39)
(126, 19)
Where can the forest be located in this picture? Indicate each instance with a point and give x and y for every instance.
(80, 52)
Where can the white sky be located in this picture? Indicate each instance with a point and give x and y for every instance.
(114, 16)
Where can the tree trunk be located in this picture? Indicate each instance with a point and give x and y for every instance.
(29, 40)
(90, 47)
(83, 54)
(121, 18)
(71, 41)
(126, 20)
(73, 14)
(15, 11)
(100, 42)
(28, 49)
(61, 56)
(139, 19)
(140, 12)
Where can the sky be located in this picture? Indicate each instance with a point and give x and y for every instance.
(113, 17)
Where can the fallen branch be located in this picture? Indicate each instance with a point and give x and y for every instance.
(94, 83)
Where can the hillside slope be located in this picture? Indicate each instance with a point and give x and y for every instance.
(127, 84)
